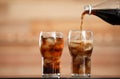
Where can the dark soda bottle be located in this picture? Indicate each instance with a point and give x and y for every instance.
(111, 16)
(108, 10)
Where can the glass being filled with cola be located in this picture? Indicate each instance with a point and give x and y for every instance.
(51, 46)
(80, 43)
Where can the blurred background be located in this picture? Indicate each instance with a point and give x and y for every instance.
(21, 21)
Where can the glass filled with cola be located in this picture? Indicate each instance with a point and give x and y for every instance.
(80, 45)
(51, 46)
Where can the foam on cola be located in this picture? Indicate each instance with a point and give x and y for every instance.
(51, 50)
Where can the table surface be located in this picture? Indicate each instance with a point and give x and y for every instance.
(66, 77)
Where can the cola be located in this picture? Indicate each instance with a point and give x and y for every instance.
(81, 57)
(51, 50)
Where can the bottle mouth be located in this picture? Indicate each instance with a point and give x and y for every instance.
(88, 8)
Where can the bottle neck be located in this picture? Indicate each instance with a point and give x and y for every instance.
(88, 8)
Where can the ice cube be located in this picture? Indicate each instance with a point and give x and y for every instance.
(50, 41)
(74, 44)
(47, 54)
(47, 43)
(81, 46)
(88, 46)
(45, 47)
(46, 60)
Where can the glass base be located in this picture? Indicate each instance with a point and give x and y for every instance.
(81, 75)
(51, 75)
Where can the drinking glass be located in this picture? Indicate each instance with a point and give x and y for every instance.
(80, 45)
(51, 46)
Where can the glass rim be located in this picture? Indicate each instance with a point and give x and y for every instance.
(82, 31)
(79, 31)
(50, 32)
